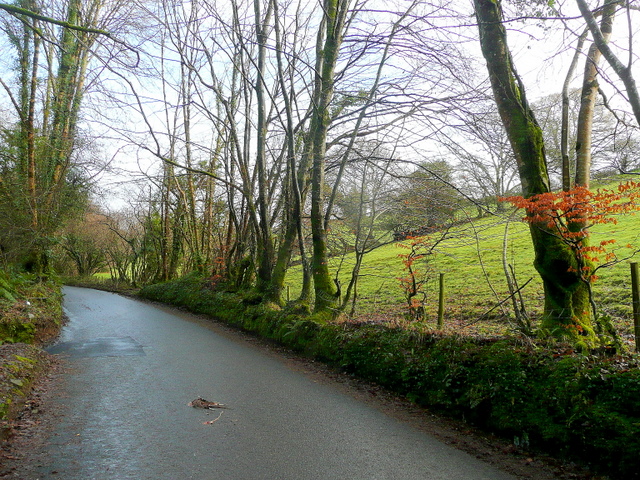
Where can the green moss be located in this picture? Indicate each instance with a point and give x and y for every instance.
(33, 317)
(18, 372)
(17, 332)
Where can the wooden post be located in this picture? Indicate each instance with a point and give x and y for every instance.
(441, 303)
(635, 294)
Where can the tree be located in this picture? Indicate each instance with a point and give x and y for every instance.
(265, 105)
(362, 207)
(486, 163)
(589, 93)
(567, 308)
(568, 216)
(424, 199)
(600, 37)
(418, 271)
(85, 244)
(612, 141)
(41, 185)
(330, 38)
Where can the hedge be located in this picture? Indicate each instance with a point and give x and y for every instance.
(575, 406)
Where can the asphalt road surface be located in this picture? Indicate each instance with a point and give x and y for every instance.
(133, 368)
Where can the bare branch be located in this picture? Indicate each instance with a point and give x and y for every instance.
(16, 11)
(624, 72)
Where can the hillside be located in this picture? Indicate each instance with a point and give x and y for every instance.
(471, 257)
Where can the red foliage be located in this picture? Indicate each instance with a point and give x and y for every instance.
(219, 273)
(412, 284)
(569, 215)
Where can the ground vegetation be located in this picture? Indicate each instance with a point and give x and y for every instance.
(30, 317)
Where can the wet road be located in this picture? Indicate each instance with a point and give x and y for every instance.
(132, 369)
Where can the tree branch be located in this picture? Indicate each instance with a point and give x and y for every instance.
(621, 70)
(15, 11)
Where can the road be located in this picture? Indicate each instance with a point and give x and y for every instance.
(133, 367)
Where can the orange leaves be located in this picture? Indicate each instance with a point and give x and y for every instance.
(579, 206)
(629, 186)
(412, 285)
(569, 215)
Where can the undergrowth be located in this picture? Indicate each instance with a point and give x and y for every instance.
(30, 309)
(30, 315)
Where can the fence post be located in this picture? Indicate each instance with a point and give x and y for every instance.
(441, 303)
(635, 294)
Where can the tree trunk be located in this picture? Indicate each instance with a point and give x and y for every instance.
(623, 71)
(67, 91)
(564, 131)
(297, 178)
(335, 12)
(263, 229)
(29, 127)
(567, 309)
(588, 100)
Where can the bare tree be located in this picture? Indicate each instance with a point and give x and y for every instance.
(486, 164)
(600, 37)
(612, 138)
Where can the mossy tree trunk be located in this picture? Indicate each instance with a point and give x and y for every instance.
(293, 226)
(297, 175)
(567, 309)
(332, 30)
(264, 238)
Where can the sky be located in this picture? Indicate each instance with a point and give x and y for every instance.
(541, 57)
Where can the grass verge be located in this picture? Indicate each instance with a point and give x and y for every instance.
(30, 316)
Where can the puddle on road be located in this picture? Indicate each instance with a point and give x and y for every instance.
(100, 347)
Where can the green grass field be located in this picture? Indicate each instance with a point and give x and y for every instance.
(471, 257)
(102, 275)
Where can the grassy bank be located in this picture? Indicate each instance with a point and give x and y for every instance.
(30, 316)
(581, 407)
